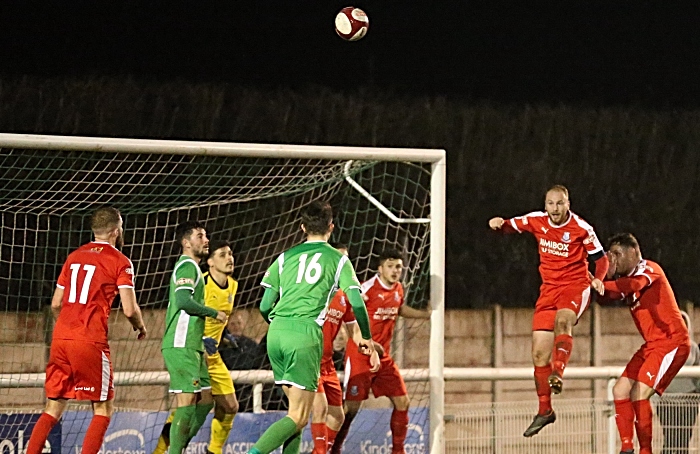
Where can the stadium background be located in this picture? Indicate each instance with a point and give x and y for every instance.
(601, 97)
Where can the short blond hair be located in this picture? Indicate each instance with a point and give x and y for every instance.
(104, 220)
(558, 187)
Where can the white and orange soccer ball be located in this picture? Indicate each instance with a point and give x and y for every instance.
(351, 23)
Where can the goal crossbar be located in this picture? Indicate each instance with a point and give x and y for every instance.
(186, 147)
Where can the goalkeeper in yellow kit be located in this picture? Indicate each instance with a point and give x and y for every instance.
(219, 292)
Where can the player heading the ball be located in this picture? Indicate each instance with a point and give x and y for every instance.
(566, 243)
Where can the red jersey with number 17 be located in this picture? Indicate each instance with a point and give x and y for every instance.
(339, 312)
(91, 279)
(563, 248)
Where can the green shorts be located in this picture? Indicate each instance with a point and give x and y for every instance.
(187, 369)
(295, 348)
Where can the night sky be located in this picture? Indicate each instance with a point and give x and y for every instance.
(595, 53)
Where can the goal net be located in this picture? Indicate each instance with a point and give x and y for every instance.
(250, 195)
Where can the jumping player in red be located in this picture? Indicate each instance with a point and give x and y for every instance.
(566, 243)
(384, 299)
(643, 286)
(79, 364)
(327, 417)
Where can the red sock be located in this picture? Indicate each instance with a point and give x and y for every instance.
(95, 434)
(341, 435)
(40, 433)
(624, 418)
(643, 423)
(399, 427)
(561, 353)
(320, 436)
(544, 392)
(331, 437)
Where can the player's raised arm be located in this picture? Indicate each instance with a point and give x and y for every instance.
(132, 311)
(496, 223)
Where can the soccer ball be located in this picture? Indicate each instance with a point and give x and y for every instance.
(351, 23)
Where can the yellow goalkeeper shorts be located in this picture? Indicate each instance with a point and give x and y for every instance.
(221, 383)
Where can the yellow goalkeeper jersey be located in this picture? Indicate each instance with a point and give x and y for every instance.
(221, 299)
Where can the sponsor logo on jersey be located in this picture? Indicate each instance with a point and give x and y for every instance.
(129, 271)
(554, 247)
(545, 230)
(386, 313)
(334, 315)
(380, 296)
(97, 249)
(184, 280)
(267, 274)
(342, 301)
(566, 238)
(396, 296)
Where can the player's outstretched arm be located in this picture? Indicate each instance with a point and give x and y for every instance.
(56, 302)
(268, 301)
(410, 312)
(132, 311)
(496, 223)
(356, 335)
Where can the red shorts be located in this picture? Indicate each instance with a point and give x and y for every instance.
(575, 296)
(387, 381)
(79, 370)
(657, 364)
(329, 385)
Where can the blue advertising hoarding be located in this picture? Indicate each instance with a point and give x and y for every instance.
(138, 432)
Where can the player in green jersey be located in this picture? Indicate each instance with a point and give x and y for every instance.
(304, 279)
(182, 346)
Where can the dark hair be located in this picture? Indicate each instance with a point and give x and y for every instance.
(185, 229)
(340, 246)
(317, 218)
(624, 240)
(558, 187)
(104, 219)
(216, 245)
(390, 254)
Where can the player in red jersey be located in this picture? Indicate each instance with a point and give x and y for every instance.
(643, 286)
(566, 243)
(79, 365)
(328, 416)
(384, 299)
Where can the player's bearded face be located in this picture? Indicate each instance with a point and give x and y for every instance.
(119, 241)
(557, 206)
(390, 271)
(199, 243)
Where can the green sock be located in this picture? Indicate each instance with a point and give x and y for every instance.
(180, 429)
(292, 444)
(200, 415)
(274, 436)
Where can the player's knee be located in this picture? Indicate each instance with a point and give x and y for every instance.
(621, 391)
(541, 357)
(401, 403)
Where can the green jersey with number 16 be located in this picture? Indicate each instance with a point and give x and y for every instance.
(306, 278)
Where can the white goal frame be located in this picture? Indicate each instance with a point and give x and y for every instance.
(437, 159)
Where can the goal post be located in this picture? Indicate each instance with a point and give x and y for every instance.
(250, 194)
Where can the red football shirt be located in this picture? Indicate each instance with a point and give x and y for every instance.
(339, 312)
(91, 279)
(563, 248)
(383, 303)
(651, 301)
